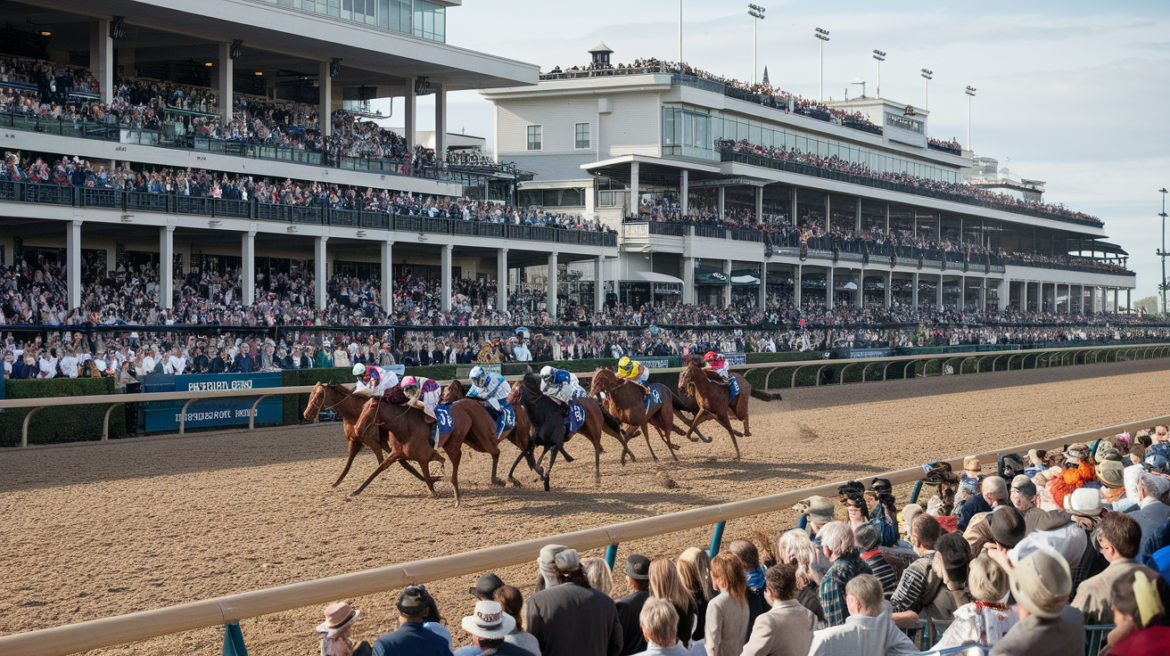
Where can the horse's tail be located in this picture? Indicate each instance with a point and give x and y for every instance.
(610, 420)
(679, 403)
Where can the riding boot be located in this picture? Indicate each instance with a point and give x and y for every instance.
(435, 436)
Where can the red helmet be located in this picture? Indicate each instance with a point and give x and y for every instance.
(711, 356)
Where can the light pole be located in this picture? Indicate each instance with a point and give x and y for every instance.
(680, 31)
(880, 57)
(823, 35)
(1162, 253)
(970, 94)
(757, 14)
(927, 75)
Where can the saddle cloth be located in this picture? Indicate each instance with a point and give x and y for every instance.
(444, 421)
(734, 388)
(576, 417)
(652, 400)
(506, 418)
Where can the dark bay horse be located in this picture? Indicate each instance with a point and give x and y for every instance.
(624, 400)
(518, 434)
(699, 383)
(410, 438)
(349, 405)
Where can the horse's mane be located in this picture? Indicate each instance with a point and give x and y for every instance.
(696, 360)
(531, 381)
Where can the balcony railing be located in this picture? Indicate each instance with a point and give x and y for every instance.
(126, 201)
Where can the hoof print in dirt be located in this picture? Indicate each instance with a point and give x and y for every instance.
(663, 479)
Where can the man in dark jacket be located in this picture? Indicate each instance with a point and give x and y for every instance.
(412, 637)
(571, 618)
(629, 608)
(244, 362)
(215, 365)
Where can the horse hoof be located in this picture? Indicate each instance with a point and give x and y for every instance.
(497, 482)
(515, 483)
(546, 486)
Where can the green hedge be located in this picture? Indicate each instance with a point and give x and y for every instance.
(65, 424)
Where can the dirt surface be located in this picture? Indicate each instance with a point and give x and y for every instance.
(98, 530)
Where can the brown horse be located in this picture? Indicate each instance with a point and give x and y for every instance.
(518, 434)
(712, 398)
(624, 400)
(410, 438)
(349, 405)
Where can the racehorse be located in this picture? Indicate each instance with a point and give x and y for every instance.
(624, 400)
(349, 405)
(548, 424)
(410, 438)
(518, 434)
(712, 398)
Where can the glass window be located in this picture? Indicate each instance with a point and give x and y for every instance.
(581, 135)
(384, 13)
(668, 126)
(534, 137)
(347, 9)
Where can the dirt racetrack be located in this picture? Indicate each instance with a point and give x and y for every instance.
(98, 530)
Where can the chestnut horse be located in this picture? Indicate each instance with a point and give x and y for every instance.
(624, 400)
(410, 438)
(518, 434)
(712, 397)
(349, 405)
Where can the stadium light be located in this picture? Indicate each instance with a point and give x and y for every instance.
(970, 94)
(880, 57)
(680, 58)
(1162, 253)
(927, 76)
(823, 35)
(757, 14)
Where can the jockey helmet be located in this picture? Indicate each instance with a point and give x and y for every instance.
(359, 369)
(409, 383)
(548, 372)
(625, 364)
(711, 356)
(479, 376)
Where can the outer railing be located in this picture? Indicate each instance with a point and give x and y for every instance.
(229, 610)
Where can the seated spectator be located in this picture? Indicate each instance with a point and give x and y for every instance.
(992, 491)
(570, 617)
(1139, 608)
(1154, 544)
(787, 628)
(695, 572)
(727, 614)
(630, 606)
(414, 605)
(1024, 499)
(485, 588)
(868, 629)
(1152, 509)
(513, 603)
(749, 556)
(985, 619)
(868, 544)
(598, 574)
(995, 493)
(1061, 533)
(919, 585)
(795, 548)
(488, 626)
(339, 619)
(838, 547)
(1041, 583)
(1118, 538)
(665, 584)
(952, 556)
(659, 621)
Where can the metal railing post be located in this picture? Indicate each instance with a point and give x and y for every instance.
(183, 416)
(233, 641)
(252, 414)
(106, 422)
(716, 540)
(24, 429)
(610, 555)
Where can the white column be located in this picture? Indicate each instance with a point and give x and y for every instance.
(1004, 292)
(1024, 295)
(797, 278)
(73, 267)
(962, 293)
(722, 202)
(727, 289)
(1129, 300)
(101, 58)
(248, 266)
(792, 219)
(828, 214)
(551, 293)
(325, 99)
(502, 279)
(387, 277)
(688, 276)
(983, 294)
(684, 188)
(759, 204)
(445, 297)
(224, 68)
(938, 301)
(889, 289)
(860, 297)
(914, 292)
(858, 228)
(320, 274)
(166, 266)
(599, 284)
(763, 298)
(635, 204)
(409, 114)
(441, 122)
(829, 288)
(1116, 298)
(1081, 299)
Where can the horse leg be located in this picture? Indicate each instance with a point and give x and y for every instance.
(538, 469)
(743, 416)
(702, 415)
(664, 433)
(495, 464)
(354, 448)
(414, 472)
(552, 461)
(726, 423)
(596, 439)
(427, 478)
(455, 456)
(391, 459)
(646, 434)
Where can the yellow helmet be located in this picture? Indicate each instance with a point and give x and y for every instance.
(625, 364)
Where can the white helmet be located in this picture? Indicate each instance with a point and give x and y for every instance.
(548, 372)
(478, 375)
(359, 369)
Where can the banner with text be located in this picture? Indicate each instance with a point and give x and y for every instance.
(232, 411)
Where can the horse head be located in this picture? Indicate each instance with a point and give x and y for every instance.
(316, 401)
(531, 381)
(604, 380)
(514, 393)
(452, 393)
(369, 415)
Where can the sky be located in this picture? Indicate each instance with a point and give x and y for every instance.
(1067, 92)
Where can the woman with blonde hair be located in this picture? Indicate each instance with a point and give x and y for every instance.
(727, 614)
(598, 574)
(695, 573)
(985, 620)
(796, 547)
(666, 584)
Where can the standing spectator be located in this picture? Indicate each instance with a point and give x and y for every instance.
(335, 630)
(1154, 543)
(695, 572)
(727, 614)
(513, 603)
(488, 626)
(1152, 509)
(1024, 499)
(412, 637)
(919, 585)
(952, 556)
(657, 621)
(570, 618)
(244, 363)
(665, 584)
(984, 620)
(216, 364)
(485, 588)
(630, 607)
(69, 364)
(1139, 605)
(1119, 538)
(598, 574)
(994, 491)
(795, 547)
(749, 556)
(838, 546)
(868, 630)
(869, 546)
(786, 629)
(1048, 626)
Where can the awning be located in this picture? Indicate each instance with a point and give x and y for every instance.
(650, 276)
(745, 280)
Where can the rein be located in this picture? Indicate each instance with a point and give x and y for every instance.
(344, 398)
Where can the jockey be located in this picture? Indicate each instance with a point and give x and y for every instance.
(423, 393)
(373, 381)
(633, 371)
(716, 362)
(560, 384)
(489, 387)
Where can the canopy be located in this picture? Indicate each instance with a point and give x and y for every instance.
(651, 276)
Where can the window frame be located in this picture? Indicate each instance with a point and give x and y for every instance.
(577, 136)
(539, 138)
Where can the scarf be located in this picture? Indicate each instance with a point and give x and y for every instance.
(755, 579)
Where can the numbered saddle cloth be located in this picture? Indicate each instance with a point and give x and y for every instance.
(506, 418)
(734, 388)
(445, 423)
(652, 400)
(576, 417)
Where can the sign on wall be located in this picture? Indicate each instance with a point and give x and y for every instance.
(231, 411)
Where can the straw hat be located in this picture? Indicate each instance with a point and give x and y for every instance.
(337, 617)
(1042, 582)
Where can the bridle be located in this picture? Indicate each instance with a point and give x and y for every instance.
(381, 423)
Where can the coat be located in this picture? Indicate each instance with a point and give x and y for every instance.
(1094, 594)
(727, 626)
(1033, 636)
(785, 630)
(1151, 516)
(573, 620)
(862, 635)
(411, 638)
(629, 608)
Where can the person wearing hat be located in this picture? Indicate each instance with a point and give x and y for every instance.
(1024, 499)
(485, 588)
(985, 619)
(335, 630)
(1063, 532)
(629, 607)
(972, 468)
(869, 545)
(1111, 476)
(488, 626)
(820, 512)
(1041, 584)
(414, 607)
(1119, 538)
(1152, 510)
(571, 618)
